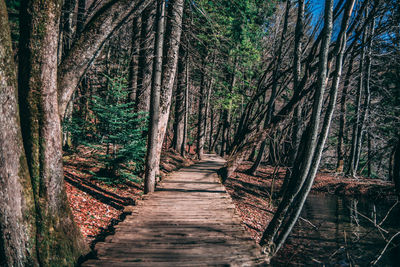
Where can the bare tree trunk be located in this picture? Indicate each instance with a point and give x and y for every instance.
(342, 116)
(357, 127)
(299, 32)
(17, 207)
(146, 54)
(59, 241)
(134, 62)
(180, 110)
(304, 161)
(172, 42)
(151, 157)
(367, 99)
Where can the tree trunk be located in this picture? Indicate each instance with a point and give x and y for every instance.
(151, 157)
(186, 121)
(357, 127)
(259, 158)
(59, 241)
(342, 116)
(146, 54)
(85, 49)
(180, 108)
(201, 115)
(304, 161)
(17, 207)
(172, 42)
(210, 136)
(134, 62)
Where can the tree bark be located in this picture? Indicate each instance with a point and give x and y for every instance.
(17, 207)
(357, 126)
(172, 42)
(58, 240)
(151, 155)
(342, 116)
(180, 107)
(186, 117)
(201, 115)
(134, 62)
(146, 54)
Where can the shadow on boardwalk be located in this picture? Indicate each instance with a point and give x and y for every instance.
(188, 221)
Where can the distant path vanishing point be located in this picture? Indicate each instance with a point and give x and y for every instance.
(189, 221)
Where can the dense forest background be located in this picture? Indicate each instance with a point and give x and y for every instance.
(303, 85)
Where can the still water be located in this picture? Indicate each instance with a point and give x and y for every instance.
(339, 231)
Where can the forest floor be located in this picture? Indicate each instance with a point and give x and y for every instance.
(252, 193)
(96, 205)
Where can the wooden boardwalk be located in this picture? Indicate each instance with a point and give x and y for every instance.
(189, 221)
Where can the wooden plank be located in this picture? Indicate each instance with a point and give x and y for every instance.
(189, 221)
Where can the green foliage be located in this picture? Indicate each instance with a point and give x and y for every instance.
(120, 130)
(117, 134)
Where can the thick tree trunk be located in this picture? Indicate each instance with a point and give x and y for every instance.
(59, 241)
(17, 207)
(146, 54)
(134, 62)
(180, 109)
(151, 157)
(172, 42)
(85, 49)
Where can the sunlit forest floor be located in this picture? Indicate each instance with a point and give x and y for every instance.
(96, 205)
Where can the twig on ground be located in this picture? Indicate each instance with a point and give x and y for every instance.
(384, 249)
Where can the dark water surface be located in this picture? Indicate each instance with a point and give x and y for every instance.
(340, 235)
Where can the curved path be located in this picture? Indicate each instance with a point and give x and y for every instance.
(189, 221)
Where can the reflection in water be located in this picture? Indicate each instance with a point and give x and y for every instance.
(342, 234)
